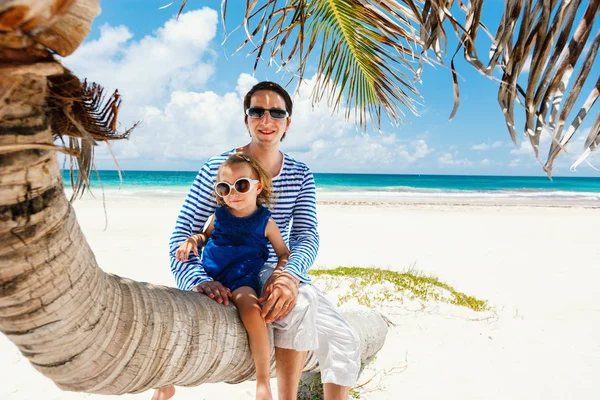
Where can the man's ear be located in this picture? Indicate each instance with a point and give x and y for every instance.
(289, 121)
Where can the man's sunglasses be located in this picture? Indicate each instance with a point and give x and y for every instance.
(259, 112)
(242, 186)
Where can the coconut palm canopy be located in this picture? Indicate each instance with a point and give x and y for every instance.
(95, 332)
(372, 52)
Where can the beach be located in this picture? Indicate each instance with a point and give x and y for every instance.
(534, 262)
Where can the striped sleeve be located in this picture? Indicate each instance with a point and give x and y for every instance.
(198, 206)
(304, 237)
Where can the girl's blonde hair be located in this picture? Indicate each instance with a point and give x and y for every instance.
(264, 197)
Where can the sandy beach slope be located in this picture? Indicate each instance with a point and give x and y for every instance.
(538, 267)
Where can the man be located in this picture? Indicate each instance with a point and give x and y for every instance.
(301, 316)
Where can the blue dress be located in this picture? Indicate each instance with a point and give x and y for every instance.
(237, 248)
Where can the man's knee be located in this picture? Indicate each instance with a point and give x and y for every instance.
(347, 343)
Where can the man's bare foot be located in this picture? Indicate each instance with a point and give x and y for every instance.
(263, 391)
(164, 393)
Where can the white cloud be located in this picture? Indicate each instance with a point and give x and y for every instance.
(162, 78)
(192, 126)
(515, 162)
(422, 150)
(174, 57)
(448, 159)
(368, 151)
(525, 147)
(155, 76)
(331, 142)
(487, 146)
(485, 161)
(244, 84)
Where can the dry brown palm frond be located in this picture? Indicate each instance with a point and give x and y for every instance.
(592, 141)
(79, 109)
(557, 146)
(81, 112)
(537, 31)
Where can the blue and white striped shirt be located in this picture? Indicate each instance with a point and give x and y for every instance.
(293, 209)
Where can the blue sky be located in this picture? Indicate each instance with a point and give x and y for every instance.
(186, 89)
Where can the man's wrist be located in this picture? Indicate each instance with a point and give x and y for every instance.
(294, 278)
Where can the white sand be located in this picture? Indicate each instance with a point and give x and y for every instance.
(537, 266)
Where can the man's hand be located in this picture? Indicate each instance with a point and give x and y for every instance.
(215, 290)
(280, 293)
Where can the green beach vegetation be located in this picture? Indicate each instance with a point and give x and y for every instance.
(409, 284)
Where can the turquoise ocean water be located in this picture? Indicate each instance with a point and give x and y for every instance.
(177, 183)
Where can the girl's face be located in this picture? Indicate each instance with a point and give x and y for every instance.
(267, 131)
(240, 202)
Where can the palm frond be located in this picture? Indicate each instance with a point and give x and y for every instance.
(81, 112)
(539, 31)
(365, 42)
(361, 52)
(367, 50)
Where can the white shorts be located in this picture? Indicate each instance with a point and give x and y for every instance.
(315, 324)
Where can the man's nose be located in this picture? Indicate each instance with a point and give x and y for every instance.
(267, 117)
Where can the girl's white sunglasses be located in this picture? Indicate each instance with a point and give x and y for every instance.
(242, 186)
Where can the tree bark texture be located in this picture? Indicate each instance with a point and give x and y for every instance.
(87, 330)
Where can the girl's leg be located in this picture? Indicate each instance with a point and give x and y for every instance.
(164, 393)
(247, 303)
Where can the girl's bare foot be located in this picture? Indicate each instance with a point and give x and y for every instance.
(263, 391)
(164, 393)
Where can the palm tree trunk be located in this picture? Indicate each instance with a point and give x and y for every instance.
(87, 330)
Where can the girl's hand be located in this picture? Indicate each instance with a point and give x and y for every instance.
(182, 253)
(215, 290)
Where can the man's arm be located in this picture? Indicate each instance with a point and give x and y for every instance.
(304, 237)
(281, 289)
(198, 206)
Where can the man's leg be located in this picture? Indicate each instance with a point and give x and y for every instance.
(289, 369)
(338, 351)
(335, 392)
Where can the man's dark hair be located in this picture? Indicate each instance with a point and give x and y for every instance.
(273, 87)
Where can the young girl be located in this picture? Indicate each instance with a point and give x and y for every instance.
(235, 249)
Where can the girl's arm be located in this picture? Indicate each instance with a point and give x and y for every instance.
(202, 238)
(194, 242)
(272, 233)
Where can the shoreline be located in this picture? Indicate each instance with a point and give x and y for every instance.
(357, 198)
(445, 203)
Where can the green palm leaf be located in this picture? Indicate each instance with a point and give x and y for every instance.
(365, 50)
